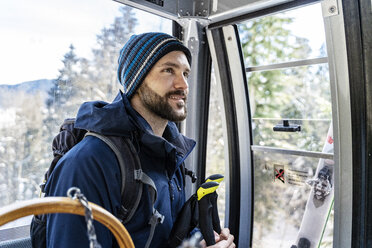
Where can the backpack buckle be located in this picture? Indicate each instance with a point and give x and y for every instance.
(42, 187)
(156, 218)
(138, 174)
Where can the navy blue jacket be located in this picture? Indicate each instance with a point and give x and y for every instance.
(92, 166)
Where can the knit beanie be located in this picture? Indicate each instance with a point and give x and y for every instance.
(140, 54)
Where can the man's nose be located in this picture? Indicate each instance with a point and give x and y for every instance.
(180, 82)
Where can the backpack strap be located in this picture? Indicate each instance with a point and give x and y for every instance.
(156, 217)
(133, 179)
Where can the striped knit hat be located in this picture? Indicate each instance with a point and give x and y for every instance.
(140, 54)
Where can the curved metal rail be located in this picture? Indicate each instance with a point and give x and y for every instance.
(50, 205)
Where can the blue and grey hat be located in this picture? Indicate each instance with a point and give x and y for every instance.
(140, 54)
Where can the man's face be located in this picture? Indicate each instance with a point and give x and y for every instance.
(164, 90)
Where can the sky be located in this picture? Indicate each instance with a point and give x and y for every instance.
(36, 34)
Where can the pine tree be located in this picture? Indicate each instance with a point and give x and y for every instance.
(110, 41)
(81, 79)
(267, 41)
(21, 150)
(64, 88)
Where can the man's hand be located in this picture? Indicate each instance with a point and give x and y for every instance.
(224, 240)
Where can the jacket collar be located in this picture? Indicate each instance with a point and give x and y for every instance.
(172, 145)
(119, 118)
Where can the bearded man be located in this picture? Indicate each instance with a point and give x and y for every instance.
(153, 69)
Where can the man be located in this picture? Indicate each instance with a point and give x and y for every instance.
(153, 69)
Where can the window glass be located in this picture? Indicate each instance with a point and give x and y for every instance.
(54, 57)
(300, 95)
(281, 193)
(282, 37)
(290, 101)
(216, 144)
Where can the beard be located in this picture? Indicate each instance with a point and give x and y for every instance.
(160, 106)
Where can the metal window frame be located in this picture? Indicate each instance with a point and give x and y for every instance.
(292, 152)
(358, 35)
(212, 11)
(225, 49)
(341, 111)
(340, 101)
(192, 33)
(269, 10)
(14, 233)
(286, 65)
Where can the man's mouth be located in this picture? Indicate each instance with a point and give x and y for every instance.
(178, 96)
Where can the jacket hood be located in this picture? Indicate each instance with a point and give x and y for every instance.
(106, 118)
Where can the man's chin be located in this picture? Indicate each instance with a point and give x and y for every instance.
(179, 115)
(180, 111)
(178, 119)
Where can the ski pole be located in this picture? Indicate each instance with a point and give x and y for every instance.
(206, 198)
(215, 219)
(215, 178)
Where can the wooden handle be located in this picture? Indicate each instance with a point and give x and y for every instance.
(49, 205)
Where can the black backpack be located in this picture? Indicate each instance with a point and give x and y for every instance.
(133, 177)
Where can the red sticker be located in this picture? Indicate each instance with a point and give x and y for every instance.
(330, 140)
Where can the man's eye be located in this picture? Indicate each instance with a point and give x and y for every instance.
(169, 70)
(186, 74)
